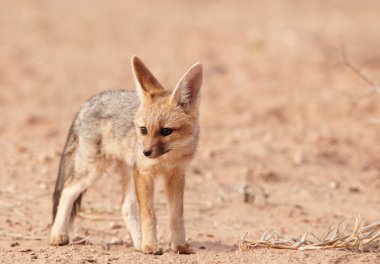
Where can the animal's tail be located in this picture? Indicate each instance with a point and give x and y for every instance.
(66, 172)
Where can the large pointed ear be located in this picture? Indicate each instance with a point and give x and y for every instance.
(146, 84)
(187, 92)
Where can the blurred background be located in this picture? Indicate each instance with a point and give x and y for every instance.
(284, 122)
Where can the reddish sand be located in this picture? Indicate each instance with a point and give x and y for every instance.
(280, 113)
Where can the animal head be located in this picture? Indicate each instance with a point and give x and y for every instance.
(166, 120)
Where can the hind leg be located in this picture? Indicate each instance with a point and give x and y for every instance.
(60, 229)
(131, 213)
(86, 170)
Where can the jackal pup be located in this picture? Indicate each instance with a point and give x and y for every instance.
(151, 132)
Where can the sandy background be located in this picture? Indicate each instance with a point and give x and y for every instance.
(280, 113)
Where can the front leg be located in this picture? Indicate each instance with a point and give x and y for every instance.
(144, 183)
(175, 186)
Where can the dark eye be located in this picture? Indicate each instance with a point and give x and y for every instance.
(166, 131)
(143, 130)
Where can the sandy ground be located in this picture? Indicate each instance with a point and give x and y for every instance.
(279, 113)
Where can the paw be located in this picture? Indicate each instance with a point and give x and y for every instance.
(137, 246)
(153, 249)
(59, 240)
(183, 249)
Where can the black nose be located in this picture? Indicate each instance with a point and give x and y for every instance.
(147, 152)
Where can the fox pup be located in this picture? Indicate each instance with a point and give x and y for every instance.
(151, 132)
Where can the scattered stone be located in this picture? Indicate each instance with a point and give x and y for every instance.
(116, 241)
(43, 186)
(14, 244)
(25, 250)
(89, 259)
(22, 149)
(197, 170)
(269, 176)
(45, 158)
(354, 189)
(114, 225)
(209, 175)
(211, 154)
(248, 195)
(333, 185)
(110, 259)
(298, 158)
(202, 247)
(33, 120)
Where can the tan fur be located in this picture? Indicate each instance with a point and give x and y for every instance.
(156, 112)
(105, 131)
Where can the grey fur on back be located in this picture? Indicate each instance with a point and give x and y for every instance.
(118, 107)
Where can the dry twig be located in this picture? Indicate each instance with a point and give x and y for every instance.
(375, 87)
(361, 239)
(80, 241)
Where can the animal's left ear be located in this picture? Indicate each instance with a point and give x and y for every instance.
(187, 92)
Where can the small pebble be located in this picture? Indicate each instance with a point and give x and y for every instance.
(196, 170)
(44, 158)
(25, 250)
(211, 154)
(116, 241)
(114, 225)
(298, 158)
(333, 185)
(43, 186)
(354, 189)
(89, 259)
(209, 175)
